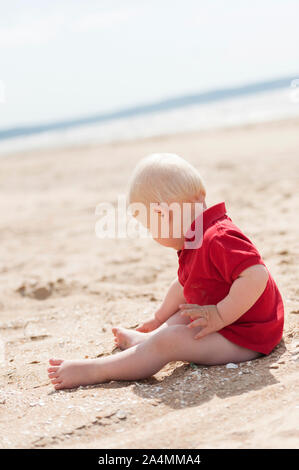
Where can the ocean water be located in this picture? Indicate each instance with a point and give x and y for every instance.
(261, 102)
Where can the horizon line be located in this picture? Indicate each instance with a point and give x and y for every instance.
(161, 105)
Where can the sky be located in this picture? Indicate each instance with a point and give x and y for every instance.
(62, 59)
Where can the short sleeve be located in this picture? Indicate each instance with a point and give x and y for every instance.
(231, 252)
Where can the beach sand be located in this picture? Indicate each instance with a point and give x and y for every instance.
(62, 289)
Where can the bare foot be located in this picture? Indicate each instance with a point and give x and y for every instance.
(70, 374)
(126, 338)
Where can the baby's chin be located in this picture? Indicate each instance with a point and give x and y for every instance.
(175, 243)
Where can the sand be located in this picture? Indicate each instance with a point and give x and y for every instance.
(62, 289)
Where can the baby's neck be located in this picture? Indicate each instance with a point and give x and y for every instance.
(195, 213)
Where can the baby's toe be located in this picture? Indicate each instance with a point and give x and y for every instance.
(55, 362)
(53, 369)
(59, 386)
(52, 375)
(56, 381)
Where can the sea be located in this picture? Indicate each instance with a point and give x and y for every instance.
(220, 108)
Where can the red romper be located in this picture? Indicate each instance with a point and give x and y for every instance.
(207, 273)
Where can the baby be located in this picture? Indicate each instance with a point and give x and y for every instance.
(223, 306)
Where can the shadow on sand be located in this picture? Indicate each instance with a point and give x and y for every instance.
(180, 385)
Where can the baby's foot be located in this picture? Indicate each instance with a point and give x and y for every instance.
(70, 374)
(125, 338)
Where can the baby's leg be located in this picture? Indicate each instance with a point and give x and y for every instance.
(174, 343)
(126, 338)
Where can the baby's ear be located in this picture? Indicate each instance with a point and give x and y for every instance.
(161, 208)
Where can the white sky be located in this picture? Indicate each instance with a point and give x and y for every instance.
(69, 58)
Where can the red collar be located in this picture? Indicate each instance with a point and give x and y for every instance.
(209, 216)
(213, 213)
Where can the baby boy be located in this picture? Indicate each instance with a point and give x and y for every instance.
(223, 306)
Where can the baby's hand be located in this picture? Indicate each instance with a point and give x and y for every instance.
(206, 316)
(149, 325)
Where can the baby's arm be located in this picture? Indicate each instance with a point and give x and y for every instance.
(173, 298)
(244, 292)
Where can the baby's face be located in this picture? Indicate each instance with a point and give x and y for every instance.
(166, 227)
(168, 223)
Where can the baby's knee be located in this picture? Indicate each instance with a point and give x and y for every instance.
(167, 338)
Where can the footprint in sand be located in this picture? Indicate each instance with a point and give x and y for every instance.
(41, 291)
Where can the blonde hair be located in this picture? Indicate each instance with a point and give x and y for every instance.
(165, 177)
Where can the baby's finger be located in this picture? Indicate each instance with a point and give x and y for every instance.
(189, 312)
(202, 333)
(193, 313)
(186, 313)
(199, 322)
(185, 306)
